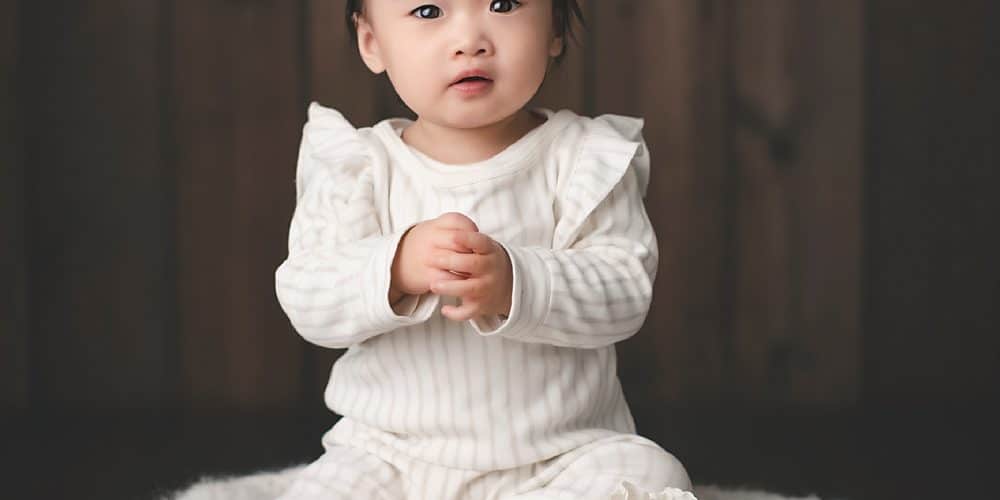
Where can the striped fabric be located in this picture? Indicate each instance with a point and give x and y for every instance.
(629, 465)
(486, 394)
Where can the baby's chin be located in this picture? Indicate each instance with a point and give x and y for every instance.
(472, 117)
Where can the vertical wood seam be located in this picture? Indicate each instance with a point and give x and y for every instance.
(730, 191)
(172, 380)
(19, 308)
(867, 209)
(34, 397)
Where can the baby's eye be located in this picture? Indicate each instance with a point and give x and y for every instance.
(425, 11)
(501, 3)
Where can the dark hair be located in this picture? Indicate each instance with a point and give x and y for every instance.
(563, 12)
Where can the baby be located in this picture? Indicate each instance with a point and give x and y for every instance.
(478, 263)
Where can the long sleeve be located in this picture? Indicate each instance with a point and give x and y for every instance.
(334, 284)
(594, 287)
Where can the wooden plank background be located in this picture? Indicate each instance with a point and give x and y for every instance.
(94, 176)
(237, 98)
(796, 157)
(153, 168)
(13, 295)
(933, 276)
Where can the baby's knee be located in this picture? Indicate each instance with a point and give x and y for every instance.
(667, 470)
(345, 473)
(640, 461)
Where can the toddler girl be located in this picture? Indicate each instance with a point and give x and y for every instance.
(479, 264)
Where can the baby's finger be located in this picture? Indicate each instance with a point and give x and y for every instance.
(469, 263)
(457, 288)
(455, 220)
(440, 275)
(477, 242)
(450, 239)
(440, 261)
(463, 312)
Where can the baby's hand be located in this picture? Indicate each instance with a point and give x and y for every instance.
(414, 267)
(486, 287)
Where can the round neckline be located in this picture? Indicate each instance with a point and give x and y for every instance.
(510, 158)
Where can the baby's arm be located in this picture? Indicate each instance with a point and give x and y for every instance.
(592, 294)
(334, 285)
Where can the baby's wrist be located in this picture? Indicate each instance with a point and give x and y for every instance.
(396, 268)
(394, 295)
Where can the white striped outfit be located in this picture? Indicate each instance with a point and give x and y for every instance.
(524, 407)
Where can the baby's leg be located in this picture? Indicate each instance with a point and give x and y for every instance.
(345, 473)
(596, 470)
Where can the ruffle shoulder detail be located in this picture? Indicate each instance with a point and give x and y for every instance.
(336, 176)
(609, 147)
(333, 148)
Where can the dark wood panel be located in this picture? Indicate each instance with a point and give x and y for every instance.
(13, 296)
(682, 352)
(823, 363)
(933, 277)
(96, 237)
(237, 94)
(795, 117)
(759, 264)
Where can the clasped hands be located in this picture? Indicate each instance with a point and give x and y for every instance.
(448, 255)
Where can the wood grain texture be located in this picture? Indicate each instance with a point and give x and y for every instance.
(825, 369)
(13, 296)
(932, 273)
(759, 266)
(236, 89)
(796, 98)
(94, 211)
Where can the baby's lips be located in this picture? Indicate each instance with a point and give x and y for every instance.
(475, 72)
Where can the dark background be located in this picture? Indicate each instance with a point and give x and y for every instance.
(824, 190)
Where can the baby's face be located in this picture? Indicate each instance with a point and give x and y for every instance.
(424, 45)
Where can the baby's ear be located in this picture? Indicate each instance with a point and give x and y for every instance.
(368, 46)
(556, 47)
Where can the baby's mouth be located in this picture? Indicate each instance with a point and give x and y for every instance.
(472, 86)
(472, 79)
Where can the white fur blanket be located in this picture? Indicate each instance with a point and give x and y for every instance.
(268, 485)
